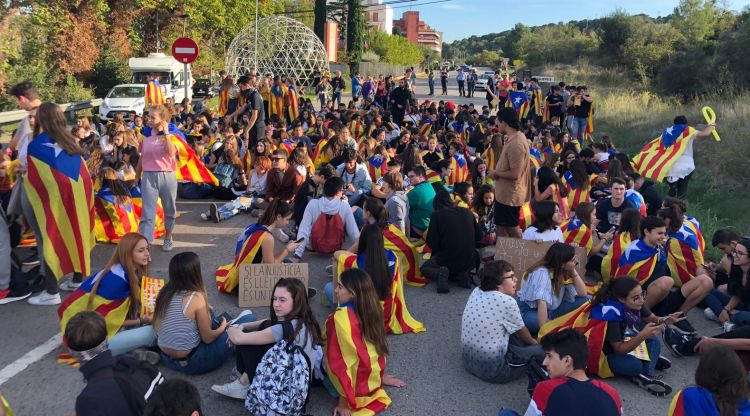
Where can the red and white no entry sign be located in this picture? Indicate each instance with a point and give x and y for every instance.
(185, 50)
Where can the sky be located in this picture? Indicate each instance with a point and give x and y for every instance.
(459, 19)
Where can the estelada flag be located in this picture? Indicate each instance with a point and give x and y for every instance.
(696, 227)
(111, 300)
(276, 102)
(223, 102)
(535, 157)
(538, 103)
(293, 103)
(319, 157)
(658, 156)
(432, 176)
(459, 170)
(356, 129)
(396, 316)
(697, 401)
(525, 216)
(154, 93)
(425, 128)
(576, 195)
(519, 101)
(137, 202)
(575, 231)
(190, 167)
(490, 158)
(683, 254)
(396, 241)
(639, 261)
(247, 248)
(611, 260)
(287, 146)
(113, 218)
(587, 134)
(354, 366)
(60, 191)
(561, 201)
(590, 320)
(377, 166)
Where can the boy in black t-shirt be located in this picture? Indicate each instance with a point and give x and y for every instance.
(569, 391)
(609, 210)
(555, 102)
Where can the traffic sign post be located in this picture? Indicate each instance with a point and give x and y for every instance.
(185, 50)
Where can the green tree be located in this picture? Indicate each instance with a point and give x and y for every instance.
(615, 31)
(649, 46)
(696, 19)
(321, 15)
(355, 33)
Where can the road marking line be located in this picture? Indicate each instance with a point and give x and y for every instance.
(30, 358)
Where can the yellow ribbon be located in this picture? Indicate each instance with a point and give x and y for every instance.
(710, 116)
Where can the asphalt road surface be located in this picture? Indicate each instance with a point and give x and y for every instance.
(429, 362)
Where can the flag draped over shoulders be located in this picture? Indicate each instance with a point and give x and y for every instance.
(247, 247)
(684, 255)
(113, 218)
(459, 170)
(697, 401)
(276, 102)
(354, 366)
(525, 216)
(396, 241)
(377, 167)
(396, 317)
(189, 166)
(60, 191)
(576, 194)
(111, 300)
(575, 231)
(611, 260)
(293, 103)
(519, 101)
(154, 93)
(638, 260)
(658, 156)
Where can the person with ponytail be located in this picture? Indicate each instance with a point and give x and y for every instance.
(549, 187)
(356, 347)
(631, 342)
(256, 245)
(551, 287)
(115, 292)
(578, 183)
(289, 305)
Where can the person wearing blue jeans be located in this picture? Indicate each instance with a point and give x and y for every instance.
(356, 178)
(578, 127)
(131, 339)
(531, 318)
(733, 306)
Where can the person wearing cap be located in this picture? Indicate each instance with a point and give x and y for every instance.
(511, 174)
(284, 179)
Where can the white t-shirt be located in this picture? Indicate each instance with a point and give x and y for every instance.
(24, 133)
(489, 319)
(684, 164)
(554, 235)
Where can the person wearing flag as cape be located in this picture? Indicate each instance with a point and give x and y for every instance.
(154, 92)
(58, 202)
(670, 156)
(645, 260)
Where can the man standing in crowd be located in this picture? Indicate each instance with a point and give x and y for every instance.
(338, 84)
(555, 103)
(399, 99)
(492, 90)
(256, 125)
(581, 101)
(461, 79)
(472, 81)
(511, 174)
(444, 80)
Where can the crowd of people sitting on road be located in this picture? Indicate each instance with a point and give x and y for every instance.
(423, 191)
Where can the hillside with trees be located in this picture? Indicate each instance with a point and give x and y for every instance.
(698, 49)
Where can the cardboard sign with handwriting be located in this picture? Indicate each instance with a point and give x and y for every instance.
(257, 281)
(522, 254)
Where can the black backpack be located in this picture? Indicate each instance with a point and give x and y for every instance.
(537, 373)
(136, 379)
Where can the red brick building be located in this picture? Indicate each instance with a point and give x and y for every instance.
(418, 32)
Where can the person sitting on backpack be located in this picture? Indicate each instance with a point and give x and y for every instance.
(108, 390)
(311, 189)
(176, 397)
(191, 339)
(452, 236)
(228, 169)
(355, 176)
(256, 245)
(568, 384)
(289, 304)
(115, 291)
(325, 220)
(363, 352)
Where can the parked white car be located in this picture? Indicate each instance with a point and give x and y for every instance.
(123, 99)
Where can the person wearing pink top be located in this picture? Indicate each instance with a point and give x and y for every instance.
(156, 170)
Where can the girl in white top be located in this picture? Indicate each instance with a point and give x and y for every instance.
(546, 225)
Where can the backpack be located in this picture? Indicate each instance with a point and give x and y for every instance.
(136, 379)
(537, 373)
(327, 234)
(224, 173)
(282, 379)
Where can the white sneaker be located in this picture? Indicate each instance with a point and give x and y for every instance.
(710, 315)
(69, 286)
(329, 269)
(243, 313)
(728, 326)
(204, 216)
(45, 299)
(168, 245)
(281, 236)
(235, 389)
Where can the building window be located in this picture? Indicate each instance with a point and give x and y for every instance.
(375, 16)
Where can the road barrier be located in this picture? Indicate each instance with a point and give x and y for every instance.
(9, 117)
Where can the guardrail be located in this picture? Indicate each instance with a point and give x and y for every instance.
(16, 116)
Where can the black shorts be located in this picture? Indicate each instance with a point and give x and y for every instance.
(670, 304)
(505, 215)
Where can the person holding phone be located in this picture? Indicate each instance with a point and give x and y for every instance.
(156, 171)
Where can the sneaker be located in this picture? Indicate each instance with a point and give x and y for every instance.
(45, 299)
(685, 327)
(214, 213)
(69, 286)
(680, 344)
(10, 295)
(243, 313)
(235, 374)
(442, 280)
(728, 326)
(329, 269)
(311, 292)
(168, 245)
(663, 363)
(204, 216)
(148, 356)
(235, 389)
(32, 260)
(281, 236)
(652, 385)
(710, 315)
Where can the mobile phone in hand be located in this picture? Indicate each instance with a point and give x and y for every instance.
(225, 315)
(299, 240)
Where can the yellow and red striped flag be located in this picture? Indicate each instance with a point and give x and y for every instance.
(276, 102)
(113, 218)
(587, 134)
(319, 157)
(247, 248)
(612, 258)
(519, 101)
(396, 316)
(684, 254)
(425, 128)
(189, 166)
(459, 170)
(354, 366)
(576, 195)
(525, 216)
(658, 156)
(639, 261)
(293, 103)
(154, 93)
(432, 176)
(223, 102)
(396, 241)
(356, 129)
(561, 201)
(60, 191)
(575, 231)
(377, 167)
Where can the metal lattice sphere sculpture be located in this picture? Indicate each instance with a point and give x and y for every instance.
(285, 47)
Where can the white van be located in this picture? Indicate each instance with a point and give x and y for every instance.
(123, 99)
(168, 71)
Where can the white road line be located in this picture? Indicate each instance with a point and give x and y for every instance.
(29, 358)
